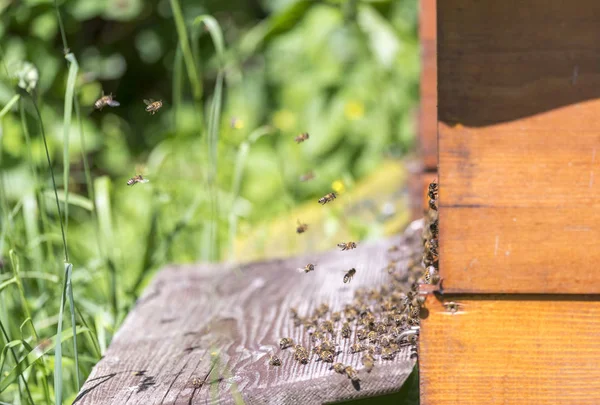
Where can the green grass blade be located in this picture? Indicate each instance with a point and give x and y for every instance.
(58, 377)
(33, 356)
(74, 326)
(9, 105)
(177, 87)
(68, 112)
(215, 32)
(184, 43)
(14, 355)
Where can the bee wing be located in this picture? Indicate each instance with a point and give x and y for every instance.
(113, 103)
(148, 101)
(143, 181)
(300, 270)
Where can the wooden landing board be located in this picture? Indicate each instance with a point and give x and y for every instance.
(428, 102)
(190, 316)
(519, 139)
(512, 352)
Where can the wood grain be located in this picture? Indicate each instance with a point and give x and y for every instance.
(519, 133)
(189, 315)
(537, 350)
(428, 103)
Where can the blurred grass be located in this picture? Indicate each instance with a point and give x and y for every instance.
(346, 72)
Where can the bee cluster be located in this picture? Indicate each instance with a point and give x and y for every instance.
(430, 239)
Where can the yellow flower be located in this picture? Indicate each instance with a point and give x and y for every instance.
(354, 110)
(284, 120)
(338, 186)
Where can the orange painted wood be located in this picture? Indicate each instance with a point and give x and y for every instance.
(428, 104)
(418, 184)
(511, 353)
(519, 132)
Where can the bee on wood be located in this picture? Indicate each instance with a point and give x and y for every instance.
(301, 354)
(380, 328)
(393, 248)
(307, 176)
(327, 198)
(388, 353)
(452, 306)
(274, 361)
(385, 341)
(285, 342)
(301, 228)
(308, 268)
(326, 356)
(327, 345)
(352, 374)
(350, 313)
(321, 310)
(316, 336)
(400, 319)
(347, 246)
(302, 137)
(346, 331)
(361, 334)
(433, 195)
(431, 275)
(197, 382)
(336, 316)
(339, 368)
(106, 100)
(368, 361)
(357, 348)
(372, 336)
(327, 326)
(153, 106)
(348, 276)
(137, 179)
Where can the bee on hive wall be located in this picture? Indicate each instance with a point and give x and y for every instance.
(274, 361)
(285, 342)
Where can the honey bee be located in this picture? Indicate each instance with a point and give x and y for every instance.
(327, 198)
(380, 328)
(274, 361)
(153, 106)
(348, 276)
(347, 246)
(327, 345)
(327, 326)
(431, 276)
(339, 368)
(433, 195)
(336, 316)
(301, 354)
(452, 306)
(385, 341)
(316, 336)
(197, 383)
(357, 348)
(372, 336)
(302, 137)
(350, 314)
(106, 100)
(326, 356)
(301, 228)
(308, 268)
(352, 374)
(307, 176)
(368, 361)
(284, 343)
(321, 310)
(393, 248)
(346, 331)
(387, 353)
(137, 179)
(361, 334)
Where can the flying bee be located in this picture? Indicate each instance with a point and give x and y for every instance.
(346, 331)
(308, 268)
(301, 228)
(307, 176)
(348, 276)
(106, 100)
(327, 198)
(347, 246)
(368, 361)
(352, 374)
(302, 137)
(153, 106)
(274, 361)
(137, 179)
(284, 343)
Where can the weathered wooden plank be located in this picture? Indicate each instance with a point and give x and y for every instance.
(524, 350)
(428, 102)
(191, 316)
(518, 138)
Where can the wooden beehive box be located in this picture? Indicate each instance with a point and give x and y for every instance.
(518, 136)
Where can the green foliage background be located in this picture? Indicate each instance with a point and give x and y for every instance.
(344, 71)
